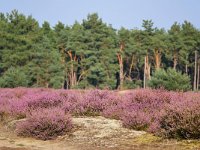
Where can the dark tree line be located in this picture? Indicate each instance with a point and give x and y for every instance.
(92, 53)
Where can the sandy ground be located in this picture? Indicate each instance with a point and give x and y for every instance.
(90, 133)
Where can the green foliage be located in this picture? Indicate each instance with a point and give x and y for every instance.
(45, 69)
(170, 80)
(128, 84)
(13, 77)
(84, 55)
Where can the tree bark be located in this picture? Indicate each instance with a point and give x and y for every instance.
(121, 66)
(186, 69)
(175, 61)
(47, 85)
(157, 58)
(147, 69)
(131, 66)
(121, 72)
(72, 74)
(144, 82)
(195, 73)
(37, 78)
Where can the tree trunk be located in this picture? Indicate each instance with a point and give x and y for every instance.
(186, 68)
(195, 73)
(121, 66)
(68, 84)
(47, 85)
(37, 82)
(147, 69)
(121, 72)
(157, 58)
(144, 82)
(175, 61)
(131, 66)
(72, 74)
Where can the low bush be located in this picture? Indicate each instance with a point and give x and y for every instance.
(136, 120)
(45, 124)
(92, 102)
(181, 120)
(165, 113)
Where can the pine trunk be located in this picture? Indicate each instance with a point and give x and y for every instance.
(121, 75)
(144, 82)
(157, 58)
(147, 69)
(195, 73)
(131, 66)
(72, 74)
(37, 82)
(47, 85)
(186, 69)
(121, 66)
(121, 72)
(175, 61)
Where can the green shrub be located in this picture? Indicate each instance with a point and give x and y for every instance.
(170, 80)
(13, 77)
(128, 84)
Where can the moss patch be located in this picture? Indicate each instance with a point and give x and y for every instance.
(190, 144)
(153, 142)
(147, 139)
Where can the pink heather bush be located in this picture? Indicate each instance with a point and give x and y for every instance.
(45, 124)
(17, 108)
(182, 119)
(137, 120)
(170, 114)
(95, 101)
(140, 109)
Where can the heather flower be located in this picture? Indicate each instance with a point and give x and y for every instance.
(165, 113)
(45, 124)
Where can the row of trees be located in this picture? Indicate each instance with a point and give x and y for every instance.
(92, 53)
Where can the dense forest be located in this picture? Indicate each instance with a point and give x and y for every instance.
(93, 54)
